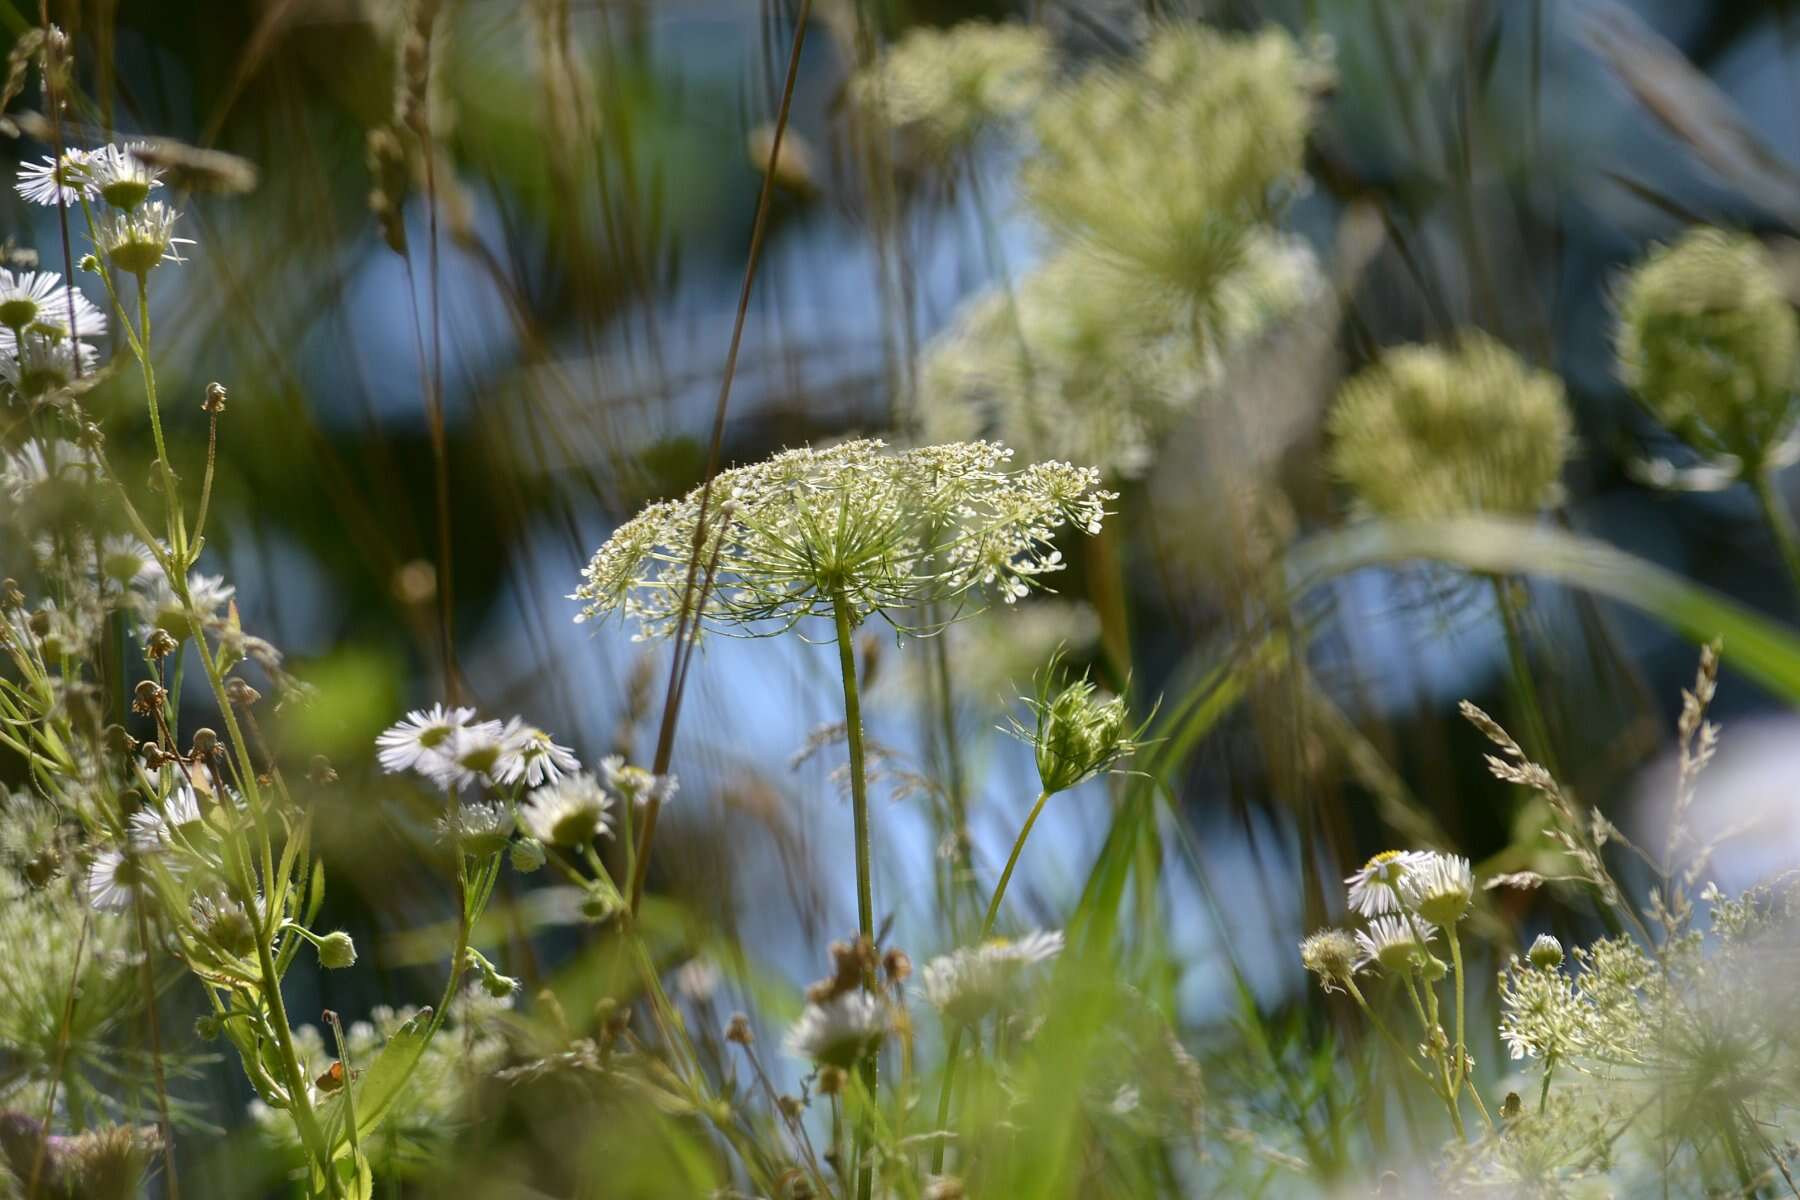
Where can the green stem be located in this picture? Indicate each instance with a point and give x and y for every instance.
(865, 895)
(171, 499)
(1012, 860)
(1544, 1092)
(1456, 964)
(1536, 727)
(1781, 523)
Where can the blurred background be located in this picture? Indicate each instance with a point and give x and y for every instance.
(560, 269)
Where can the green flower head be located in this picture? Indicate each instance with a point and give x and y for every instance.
(1710, 344)
(1079, 732)
(950, 84)
(1428, 432)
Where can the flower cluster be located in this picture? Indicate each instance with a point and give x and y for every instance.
(1077, 733)
(1408, 896)
(950, 84)
(134, 232)
(1428, 432)
(855, 525)
(1708, 340)
(453, 749)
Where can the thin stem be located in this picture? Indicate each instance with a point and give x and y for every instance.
(1012, 860)
(1537, 728)
(1456, 964)
(859, 809)
(171, 500)
(1544, 1092)
(1781, 523)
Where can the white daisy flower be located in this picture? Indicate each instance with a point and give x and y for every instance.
(124, 558)
(40, 300)
(1393, 942)
(1440, 888)
(840, 1031)
(50, 183)
(480, 829)
(570, 812)
(42, 363)
(471, 754)
(137, 241)
(114, 881)
(636, 784)
(36, 463)
(529, 754)
(1375, 889)
(969, 983)
(162, 609)
(119, 177)
(423, 731)
(155, 825)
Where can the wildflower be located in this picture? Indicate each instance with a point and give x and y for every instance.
(1331, 954)
(1710, 344)
(840, 1031)
(1396, 943)
(153, 826)
(39, 364)
(527, 855)
(1375, 888)
(570, 812)
(118, 176)
(635, 784)
(808, 532)
(422, 733)
(969, 983)
(528, 753)
(54, 182)
(124, 559)
(1440, 888)
(473, 753)
(1546, 953)
(137, 241)
(1163, 166)
(39, 301)
(1077, 735)
(226, 923)
(949, 84)
(115, 880)
(1540, 1014)
(1428, 432)
(163, 609)
(477, 829)
(336, 951)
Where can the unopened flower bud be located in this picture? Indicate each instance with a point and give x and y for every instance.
(336, 951)
(1546, 953)
(206, 741)
(241, 693)
(738, 1030)
(527, 855)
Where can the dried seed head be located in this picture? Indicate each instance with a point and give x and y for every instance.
(147, 697)
(241, 693)
(160, 644)
(320, 771)
(897, 966)
(214, 399)
(206, 742)
(738, 1030)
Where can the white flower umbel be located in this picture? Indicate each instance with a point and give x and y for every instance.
(1375, 889)
(1439, 888)
(51, 183)
(1394, 943)
(114, 881)
(969, 983)
(39, 301)
(42, 363)
(856, 526)
(571, 812)
(136, 242)
(528, 753)
(840, 1031)
(406, 744)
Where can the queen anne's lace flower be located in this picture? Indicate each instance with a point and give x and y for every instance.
(875, 530)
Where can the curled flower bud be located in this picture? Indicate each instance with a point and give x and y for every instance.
(241, 693)
(1711, 346)
(1077, 734)
(1546, 953)
(214, 399)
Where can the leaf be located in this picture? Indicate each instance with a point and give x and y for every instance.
(1754, 645)
(380, 1084)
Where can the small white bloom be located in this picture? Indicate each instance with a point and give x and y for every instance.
(528, 753)
(114, 881)
(42, 363)
(39, 300)
(50, 183)
(471, 754)
(840, 1031)
(1394, 943)
(1375, 889)
(157, 824)
(969, 983)
(136, 242)
(571, 812)
(163, 609)
(423, 731)
(124, 558)
(636, 784)
(1439, 888)
(119, 177)
(480, 829)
